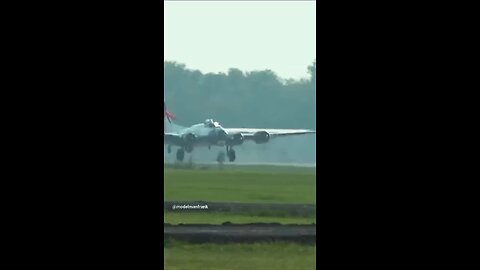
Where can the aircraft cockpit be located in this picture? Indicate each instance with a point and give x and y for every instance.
(210, 123)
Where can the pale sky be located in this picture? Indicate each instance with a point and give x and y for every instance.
(215, 36)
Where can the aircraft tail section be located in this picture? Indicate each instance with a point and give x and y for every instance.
(167, 116)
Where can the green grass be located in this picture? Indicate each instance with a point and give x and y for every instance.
(265, 256)
(219, 218)
(259, 184)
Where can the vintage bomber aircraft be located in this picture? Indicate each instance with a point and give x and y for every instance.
(211, 133)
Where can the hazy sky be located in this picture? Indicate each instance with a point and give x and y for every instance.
(215, 36)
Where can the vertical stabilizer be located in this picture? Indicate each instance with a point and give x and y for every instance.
(167, 116)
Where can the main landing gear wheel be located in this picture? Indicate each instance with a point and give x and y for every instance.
(221, 157)
(231, 154)
(180, 154)
(188, 148)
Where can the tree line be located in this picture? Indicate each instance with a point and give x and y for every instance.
(256, 99)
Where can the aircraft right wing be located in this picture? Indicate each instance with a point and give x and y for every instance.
(272, 132)
(263, 135)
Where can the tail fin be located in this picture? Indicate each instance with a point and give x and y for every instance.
(168, 114)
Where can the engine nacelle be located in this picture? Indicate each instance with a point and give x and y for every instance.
(236, 139)
(261, 137)
(189, 138)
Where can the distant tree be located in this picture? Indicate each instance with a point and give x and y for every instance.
(253, 99)
(235, 74)
(312, 70)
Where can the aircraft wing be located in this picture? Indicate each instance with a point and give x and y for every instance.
(172, 139)
(248, 133)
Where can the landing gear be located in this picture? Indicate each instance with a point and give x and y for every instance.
(180, 154)
(188, 148)
(231, 154)
(169, 149)
(221, 157)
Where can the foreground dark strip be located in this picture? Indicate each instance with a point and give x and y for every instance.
(293, 209)
(240, 233)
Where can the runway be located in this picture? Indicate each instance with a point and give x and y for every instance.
(280, 164)
(307, 165)
(240, 233)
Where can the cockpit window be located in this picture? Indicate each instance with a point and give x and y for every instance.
(210, 123)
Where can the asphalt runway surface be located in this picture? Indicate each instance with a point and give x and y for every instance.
(306, 165)
(280, 164)
(295, 209)
(240, 233)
